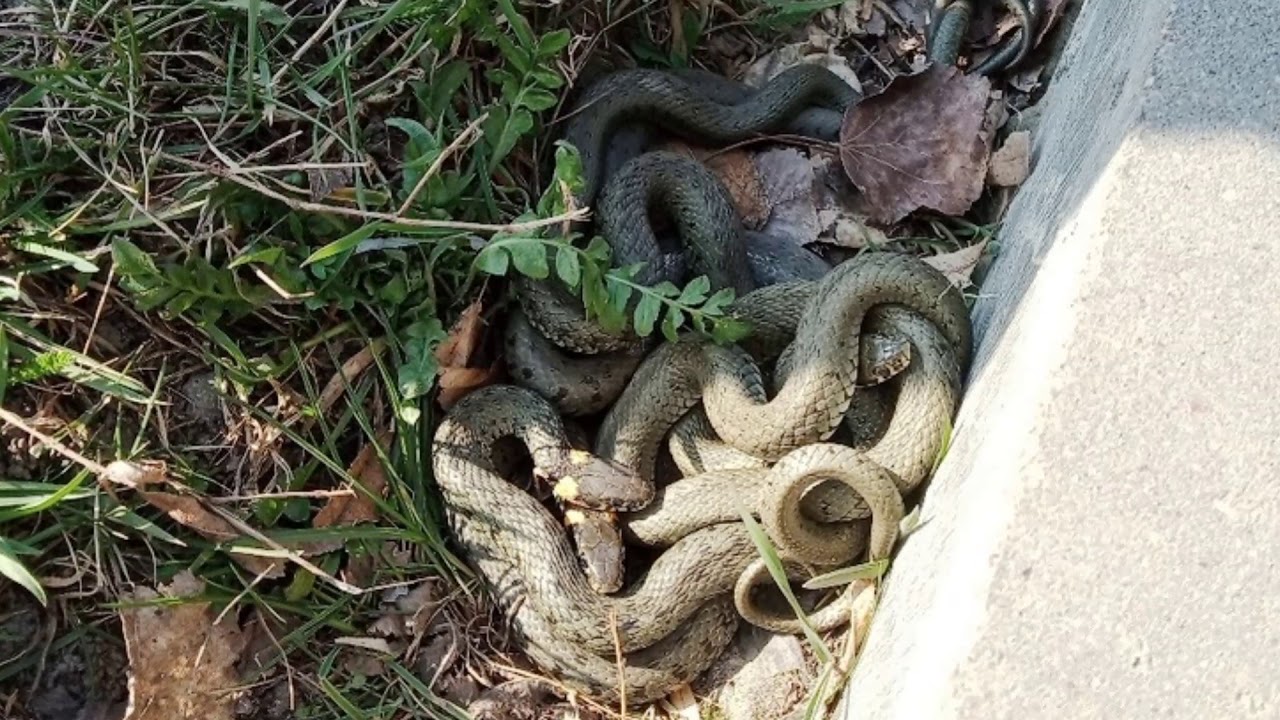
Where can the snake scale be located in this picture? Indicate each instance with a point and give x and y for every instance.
(752, 426)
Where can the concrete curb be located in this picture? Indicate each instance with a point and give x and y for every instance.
(1095, 507)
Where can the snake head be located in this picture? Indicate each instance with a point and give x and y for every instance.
(600, 549)
(586, 480)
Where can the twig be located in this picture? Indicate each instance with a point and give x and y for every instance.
(315, 37)
(617, 653)
(97, 312)
(282, 495)
(53, 444)
(449, 149)
(304, 205)
(291, 555)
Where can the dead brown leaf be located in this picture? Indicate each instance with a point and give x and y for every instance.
(1011, 164)
(366, 471)
(181, 663)
(413, 614)
(464, 337)
(456, 354)
(849, 20)
(922, 142)
(789, 184)
(348, 373)
(358, 663)
(190, 512)
(958, 266)
(512, 700)
(684, 704)
(913, 13)
(263, 632)
(851, 232)
(1027, 79)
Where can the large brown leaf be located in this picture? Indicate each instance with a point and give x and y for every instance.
(181, 663)
(921, 143)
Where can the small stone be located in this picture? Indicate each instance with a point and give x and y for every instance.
(1011, 164)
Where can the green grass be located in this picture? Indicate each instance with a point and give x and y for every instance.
(261, 193)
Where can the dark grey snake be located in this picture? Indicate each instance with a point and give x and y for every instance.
(610, 136)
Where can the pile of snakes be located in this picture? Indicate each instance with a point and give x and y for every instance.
(818, 423)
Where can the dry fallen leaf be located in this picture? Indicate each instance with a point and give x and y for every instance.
(263, 633)
(1012, 162)
(914, 13)
(366, 471)
(181, 664)
(849, 20)
(414, 612)
(348, 374)
(464, 337)
(1026, 79)
(456, 353)
(189, 511)
(958, 266)
(520, 698)
(1051, 13)
(849, 231)
(789, 184)
(923, 142)
(364, 664)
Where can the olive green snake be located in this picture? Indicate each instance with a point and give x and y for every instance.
(812, 494)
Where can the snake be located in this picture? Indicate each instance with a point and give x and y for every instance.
(817, 333)
(805, 99)
(586, 384)
(670, 625)
(952, 23)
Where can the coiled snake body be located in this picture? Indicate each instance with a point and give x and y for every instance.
(811, 494)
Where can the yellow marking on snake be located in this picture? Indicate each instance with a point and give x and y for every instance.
(579, 457)
(566, 489)
(574, 517)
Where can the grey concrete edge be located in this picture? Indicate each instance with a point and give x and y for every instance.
(933, 609)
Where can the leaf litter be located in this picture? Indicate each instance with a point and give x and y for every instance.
(358, 507)
(1011, 164)
(182, 656)
(457, 354)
